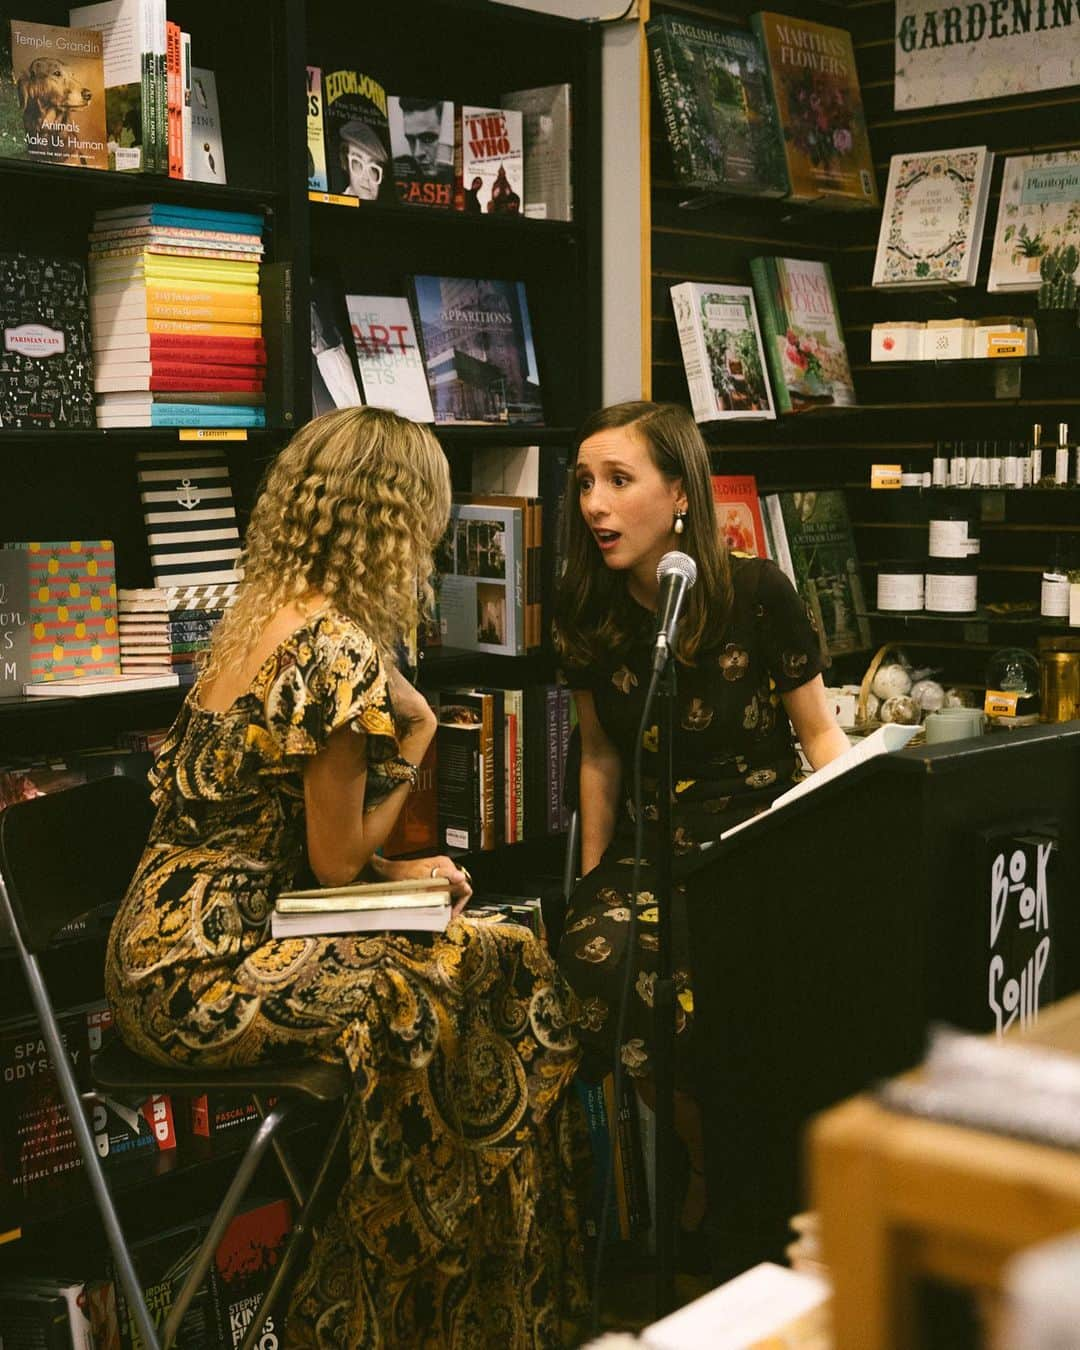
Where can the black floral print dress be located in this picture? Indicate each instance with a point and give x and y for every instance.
(733, 754)
(457, 1226)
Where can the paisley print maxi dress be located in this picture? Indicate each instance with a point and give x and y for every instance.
(457, 1226)
(733, 754)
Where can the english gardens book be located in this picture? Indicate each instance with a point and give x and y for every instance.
(804, 344)
(388, 355)
(722, 352)
(479, 353)
(815, 89)
(713, 86)
(1039, 211)
(932, 222)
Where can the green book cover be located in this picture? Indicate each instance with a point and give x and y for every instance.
(713, 87)
(822, 548)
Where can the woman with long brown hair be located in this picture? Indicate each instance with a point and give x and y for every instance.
(748, 671)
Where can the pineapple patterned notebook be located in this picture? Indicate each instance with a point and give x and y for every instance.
(72, 609)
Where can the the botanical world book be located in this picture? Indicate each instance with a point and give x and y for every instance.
(815, 88)
(722, 352)
(713, 86)
(804, 343)
(932, 222)
(1039, 211)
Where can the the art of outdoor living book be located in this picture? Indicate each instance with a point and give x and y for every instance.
(1039, 211)
(722, 352)
(800, 325)
(932, 223)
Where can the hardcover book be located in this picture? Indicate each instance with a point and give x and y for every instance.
(60, 78)
(481, 581)
(800, 324)
(1039, 211)
(478, 345)
(356, 116)
(738, 513)
(207, 146)
(245, 1262)
(932, 222)
(489, 168)
(422, 145)
(316, 144)
(45, 366)
(333, 377)
(72, 609)
(388, 355)
(127, 59)
(713, 86)
(821, 545)
(547, 128)
(815, 89)
(190, 518)
(722, 352)
(406, 906)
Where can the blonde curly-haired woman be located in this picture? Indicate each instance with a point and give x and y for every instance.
(301, 738)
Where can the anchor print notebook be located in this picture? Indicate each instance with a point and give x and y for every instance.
(190, 517)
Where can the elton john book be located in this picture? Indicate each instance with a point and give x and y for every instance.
(356, 117)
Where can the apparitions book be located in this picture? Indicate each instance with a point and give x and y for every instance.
(489, 174)
(804, 343)
(388, 355)
(207, 143)
(479, 353)
(422, 145)
(333, 378)
(128, 58)
(722, 352)
(46, 370)
(1039, 211)
(815, 88)
(713, 86)
(316, 144)
(481, 565)
(355, 114)
(547, 128)
(932, 221)
(822, 551)
(59, 75)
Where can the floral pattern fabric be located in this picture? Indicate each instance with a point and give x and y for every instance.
(457, 1226)
(733, 753)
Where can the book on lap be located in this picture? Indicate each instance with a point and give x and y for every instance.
(403, 906)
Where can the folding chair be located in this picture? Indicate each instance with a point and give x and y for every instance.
(62, 856)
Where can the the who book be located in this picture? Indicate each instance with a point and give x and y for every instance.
(713, 86)
(59, 76)
(722, 352)
(815, 87)
(356, 116)
(804, 343)
(46, 371)
(478, 349)
(488, 162)
(422, 144)
(388, 355)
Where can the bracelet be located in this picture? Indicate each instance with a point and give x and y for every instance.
(411, 774)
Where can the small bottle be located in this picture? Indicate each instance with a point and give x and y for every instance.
(958, 475)
(1061, 457)
(940, 473)
(1036, 454)
(911, 475)
(995, 466)
(1010, 466)
(1024, 458)
(1054, 598)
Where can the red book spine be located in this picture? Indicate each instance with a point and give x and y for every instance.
(212, 370)
(197, 385)
(235, 350)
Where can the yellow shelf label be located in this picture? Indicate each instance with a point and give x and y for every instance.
(1000, 704)
(885, 475)
(213, 433)
(332, 199)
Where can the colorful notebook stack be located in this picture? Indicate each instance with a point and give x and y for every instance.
(167, 628)
(144, 632)
(176, 317)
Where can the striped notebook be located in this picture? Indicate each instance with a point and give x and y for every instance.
(190, 516)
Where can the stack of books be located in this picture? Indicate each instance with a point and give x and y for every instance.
(167, 628)
(144, 631)
(176, 317)
(364, 907)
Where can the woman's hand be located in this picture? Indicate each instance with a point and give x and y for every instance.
(421, 869)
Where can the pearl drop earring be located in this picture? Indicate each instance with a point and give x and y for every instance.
(680, 522)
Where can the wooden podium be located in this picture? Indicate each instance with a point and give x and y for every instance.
(933, 884)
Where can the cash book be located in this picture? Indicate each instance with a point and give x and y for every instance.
(364, 907)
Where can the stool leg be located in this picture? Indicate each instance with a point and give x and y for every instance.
(284, 1161)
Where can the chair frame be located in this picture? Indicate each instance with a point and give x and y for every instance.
(141, 1078)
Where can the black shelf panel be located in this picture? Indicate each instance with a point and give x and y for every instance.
(135, 700)
(981, 615)
(457, 436)
(131, 187)
(161, 437)
(439, 220)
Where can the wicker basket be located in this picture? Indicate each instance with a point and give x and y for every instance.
(864, 724)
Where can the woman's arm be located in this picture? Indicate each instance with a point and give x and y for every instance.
(814, 723)
(600, 783)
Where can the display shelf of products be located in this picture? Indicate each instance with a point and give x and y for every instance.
(973, 362)
(440, 219)
(135, 187)
(980, 615)
(127, 437)
(153, 700)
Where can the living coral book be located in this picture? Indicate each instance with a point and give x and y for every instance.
(815, 89)
(1039, 211)
(804, 343)
(479, 353)
(722, 352)
(713, 86)
(932, 222)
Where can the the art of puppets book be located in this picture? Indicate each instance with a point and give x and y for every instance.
(713, 86)
(815, 88)
(932, 222)
(1039, 211)
(478, 349)
(804, 343)
(722, 352)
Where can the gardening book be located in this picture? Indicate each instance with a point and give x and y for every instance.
(547, 129)
(388, 355)
(316, 144)
(932, 222)
(479, 353)
(1039, 211)
(804, 343)
(489, 175)
(713, 86)
(815, 89)
(60, 77)
(738, 513)
(722, 352)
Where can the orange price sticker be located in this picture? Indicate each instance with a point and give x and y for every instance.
(884, 475)
(213, 433)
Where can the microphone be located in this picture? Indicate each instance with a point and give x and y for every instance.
(676, 573)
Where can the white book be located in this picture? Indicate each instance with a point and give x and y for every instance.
(388, 355)
(207, 148)
(933, 217)
(430, 919)
(120, 23)
(482, 566)
(755, 1308)
(722, 352)
(511, 470)
(546, 124)
(89, 685)
(1039, 210)
(489, 161)
(777, 531)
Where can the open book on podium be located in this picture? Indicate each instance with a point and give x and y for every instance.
(414, 906)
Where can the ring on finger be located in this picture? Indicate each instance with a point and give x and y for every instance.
(435, 872)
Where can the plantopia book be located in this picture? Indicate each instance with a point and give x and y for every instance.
(713, 86)
(489, 176)
(59, 76)
(815, 89)
(355, 113)
(1039, 211)
(722, 352)
(804, 343)
(932, 222)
